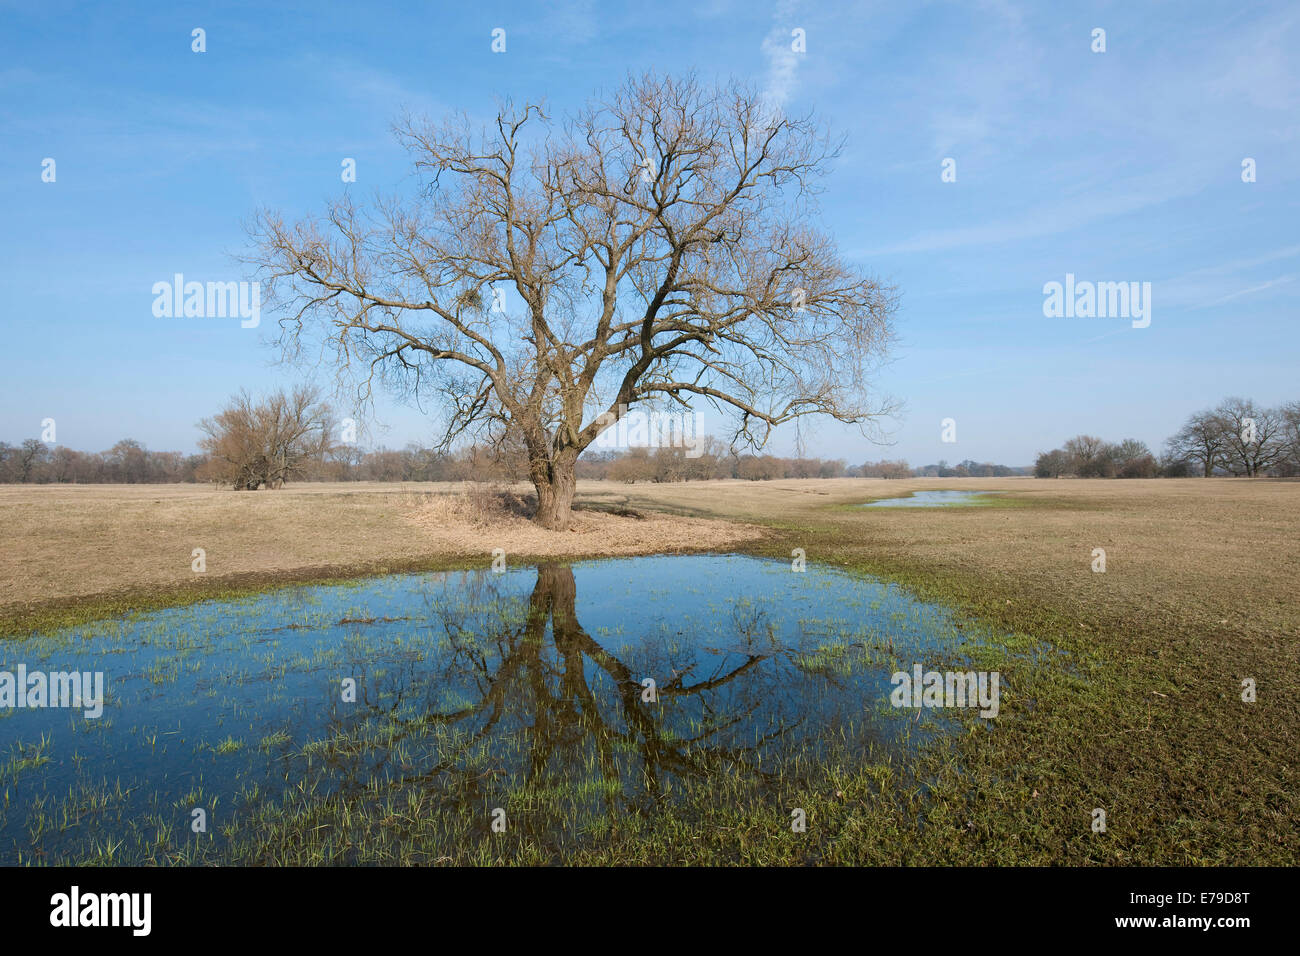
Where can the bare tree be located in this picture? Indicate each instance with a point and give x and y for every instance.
(1051, 464)
(1127, 450)
(1088, 457)
(1203, 439)
(885, 469)
(635, 466)
(254, 444)
(1290, 413)
(343, 462)
(1131, 458)
(63, 464)
(1253, 436)
(128, 461)
(655, 246)
(32, 455)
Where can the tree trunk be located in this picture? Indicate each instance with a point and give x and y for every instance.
(555, 483)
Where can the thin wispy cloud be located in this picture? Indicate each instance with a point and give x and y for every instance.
(1222, 282)
(1044, 219)
(782, 60)
(1280, 280)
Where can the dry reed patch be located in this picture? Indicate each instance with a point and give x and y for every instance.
(479, 520)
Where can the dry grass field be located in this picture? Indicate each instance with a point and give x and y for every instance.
(1123, 688)
(77, 542)
(1226, 552)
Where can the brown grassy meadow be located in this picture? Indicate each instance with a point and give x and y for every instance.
(79, 542)
(1213, 550)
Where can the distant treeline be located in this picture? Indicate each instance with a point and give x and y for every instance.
(963, 469)
(1237, 438)
(293, 435)
(717, 461)
(126, 462)
(253, 444)
(130, 462)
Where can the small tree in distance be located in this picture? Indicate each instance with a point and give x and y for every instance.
(255, 444)
(1252, 435)
(1203, 440)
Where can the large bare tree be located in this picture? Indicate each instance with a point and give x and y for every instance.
(657, 246)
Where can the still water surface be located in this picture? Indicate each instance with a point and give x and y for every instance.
(469, 687)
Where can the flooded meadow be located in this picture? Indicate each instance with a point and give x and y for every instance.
(556, 703)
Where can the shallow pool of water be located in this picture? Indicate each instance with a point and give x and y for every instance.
(930, 499)
(473, 690)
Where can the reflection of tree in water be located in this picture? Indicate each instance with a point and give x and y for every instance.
(537, 701)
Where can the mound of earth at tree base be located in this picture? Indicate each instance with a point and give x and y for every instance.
(480, 522)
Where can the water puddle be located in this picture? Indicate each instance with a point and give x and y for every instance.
(932, 499)
(473, 690)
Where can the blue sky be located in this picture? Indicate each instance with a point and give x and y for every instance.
(1117, 166)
